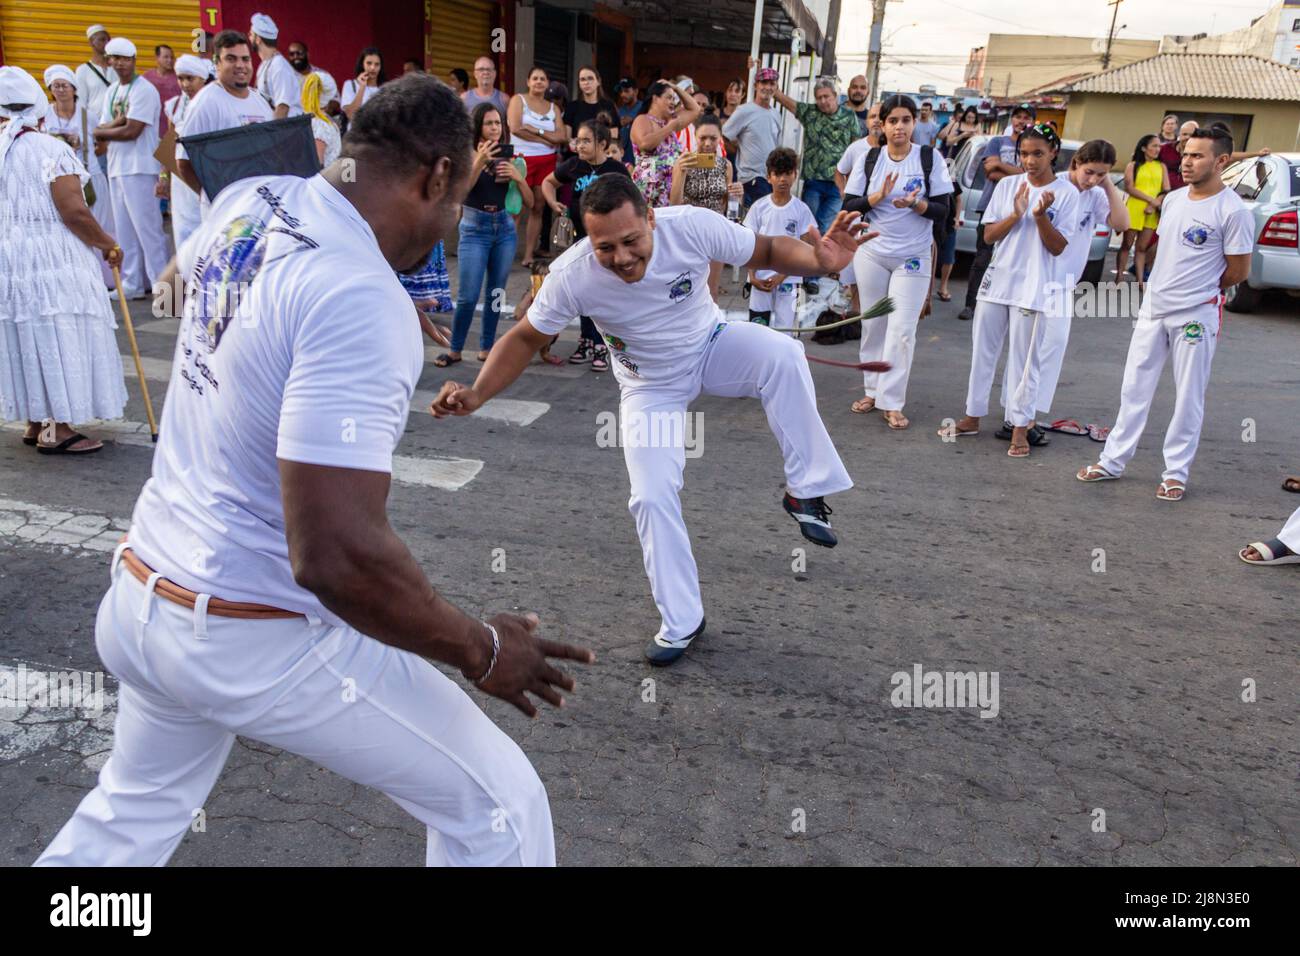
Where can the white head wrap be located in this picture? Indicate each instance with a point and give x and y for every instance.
(265, 27)
(59, 72)
(190, 65)
(97, 28)
(120, 46)
(18, 88)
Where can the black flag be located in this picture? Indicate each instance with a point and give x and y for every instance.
(276, 148)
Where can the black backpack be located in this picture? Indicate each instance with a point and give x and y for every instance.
(927, 167)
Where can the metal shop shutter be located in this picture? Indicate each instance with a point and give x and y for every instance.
(459, 33)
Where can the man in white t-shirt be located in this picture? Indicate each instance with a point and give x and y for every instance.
(297, 55)
(128, 123)
(642, 276)
(277, 81)
(94, 77)
(1207, 236)
(225, 104)
(262, 591)
(1029, 220)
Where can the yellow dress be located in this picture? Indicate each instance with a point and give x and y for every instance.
(1150, 179)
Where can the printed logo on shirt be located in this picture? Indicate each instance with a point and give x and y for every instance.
(916, 182)
(912, 265)
(628, 364)
(1051, 215)
(584, 181)
(792, 227)
(617, 344)
(1197, 235)
(680, 287)
(1086, 221)
(987, 282)
(1193, 332)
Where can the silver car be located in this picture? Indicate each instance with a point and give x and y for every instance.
(1270, 187)
(969, 175)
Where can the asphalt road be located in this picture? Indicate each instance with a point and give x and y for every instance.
(775, 740)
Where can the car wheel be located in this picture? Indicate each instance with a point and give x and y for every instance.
(1242, 298)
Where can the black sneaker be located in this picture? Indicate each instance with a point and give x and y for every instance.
(599, 359)
(1035, 435)
(582, 354)
(813, 515)
(966, 314)
(661, 652)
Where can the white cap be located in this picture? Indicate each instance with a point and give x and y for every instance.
(187, 64)
(97, 28)
(265, 27)
(120, 46)
(59, 72)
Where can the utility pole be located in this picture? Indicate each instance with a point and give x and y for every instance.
(873, 49)
(1110, 37)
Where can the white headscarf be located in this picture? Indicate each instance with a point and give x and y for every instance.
(18, 87)
(265, 27)
(190, 65)
(59, 72)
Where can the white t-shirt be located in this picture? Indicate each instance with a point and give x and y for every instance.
(313, 358)
(851, 165)
(92, 83)
(903, 232)
(766, 218)
(279, 83)
(1195, 235)
(215, 109)
(329, 90)
(657, 327)
(138, 100)
(1022, 272)
(1094, 209)
(350, 94)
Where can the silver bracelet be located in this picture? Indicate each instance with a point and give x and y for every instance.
(496, 650)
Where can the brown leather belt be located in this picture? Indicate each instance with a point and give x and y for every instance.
(187, 598)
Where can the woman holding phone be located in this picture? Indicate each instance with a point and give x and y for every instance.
(705, 179)
(487, 231)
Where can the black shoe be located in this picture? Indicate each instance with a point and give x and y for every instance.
(966, 314)
(661, 653)
(813, 515)
(811, 287)
(1035, 436)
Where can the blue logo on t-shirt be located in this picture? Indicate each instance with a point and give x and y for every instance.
(680, 287)
(584, 181)
(913, 184)
(1197, 235)
(792, 227)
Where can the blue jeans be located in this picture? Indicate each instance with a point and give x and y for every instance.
(487, 247)
(824, 201)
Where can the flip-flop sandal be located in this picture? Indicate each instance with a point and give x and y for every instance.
(944, 298)
(1097, 433)
(891, 421)
(1273, 552)
(445, 360)
(1018, 451)
(28, 440)
(1095, 473)
(1290, 484)
(952, 432)
(65, 447)
(858, 409)
(1165, 491)
(1066, 426)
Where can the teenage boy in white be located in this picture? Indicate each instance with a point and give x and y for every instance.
(1206, 238)
(1099, 202)
(1029, 220)
(780, 213)
(643, 277)
(904, 208)
(129, 125)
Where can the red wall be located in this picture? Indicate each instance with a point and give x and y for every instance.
(336, 32)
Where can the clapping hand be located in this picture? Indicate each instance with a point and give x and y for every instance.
(1044, 203)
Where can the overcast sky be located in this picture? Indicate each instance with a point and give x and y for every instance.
(929, 41)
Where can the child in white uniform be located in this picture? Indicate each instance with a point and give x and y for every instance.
(1207, 235)
(781, 213)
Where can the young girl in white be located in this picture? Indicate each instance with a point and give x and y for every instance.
(903, 207)
(1030, 220)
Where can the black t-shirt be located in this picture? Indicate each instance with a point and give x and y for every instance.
(582, 174)
(579, 111)
(487, 193)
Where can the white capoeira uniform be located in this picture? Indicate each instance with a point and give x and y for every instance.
(766, 218)
(1179, 317)
(1015, 296)
(185, 201)
(669, 344)
(850, 166)
(896, 263)
(1094, 209)
(290, 375)
(132, 179)
(1290, 533)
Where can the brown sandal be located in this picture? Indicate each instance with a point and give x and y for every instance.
(861, 408)
(895, 420)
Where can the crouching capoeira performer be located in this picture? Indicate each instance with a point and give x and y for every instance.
(1030, 220)
(1100, 202)
(642, 275)
(262, 591)
(1206, 238)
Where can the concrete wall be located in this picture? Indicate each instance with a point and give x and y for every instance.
(1014, 64)
(1125, 119)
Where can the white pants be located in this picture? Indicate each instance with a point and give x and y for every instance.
(380, 716)
(892, 338)
(185, 211)
(1054, 331)
(741, 360)
(1190, 337)
(139, 230)
(1290, 533)
(988, 331)
(780, 302)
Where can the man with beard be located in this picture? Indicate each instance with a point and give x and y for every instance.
(857, 101)
(296, 54)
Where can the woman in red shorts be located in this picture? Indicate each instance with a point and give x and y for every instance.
(536, 129)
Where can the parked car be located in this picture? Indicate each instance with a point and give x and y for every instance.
(1270, 187)
(969, 174)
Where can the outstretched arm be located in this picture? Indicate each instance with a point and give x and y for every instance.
(829, 253)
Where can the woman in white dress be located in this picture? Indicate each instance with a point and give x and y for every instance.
(193, 73)
(328, 141)
(70, 121)
(59, 361)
